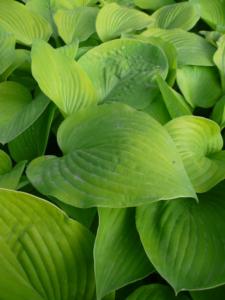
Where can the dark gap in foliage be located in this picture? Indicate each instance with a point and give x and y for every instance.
(203, 112)
(52, 147)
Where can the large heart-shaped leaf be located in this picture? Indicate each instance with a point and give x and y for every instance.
(200, 144)
(118, 253)
(17, 110)
(61, 78)
(185, 240)
(25, 25)
(131, 161)
(179, 15)
(212, 12)
(123, 70)
(205, 94)
(7, 49)
(44, 254)
(114, 19)
(191, 48)
(76, 24)
(155, 292)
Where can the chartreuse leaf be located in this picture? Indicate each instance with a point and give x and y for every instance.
(191, 48)
(174, 102)
(71, 4)
(70, 50)
(200, 144)
(152, 4)
(211, 36)
(76, 24)
(211, 294)
(220, 60)
(212, 12)
(32, 142)
(17, 110)
(185, 240)
(114, 19)
(7, 49)
(5, 163)
(61, 78)
(123, 70)
(155, 292)
(47, 256)
(205, 94)
(182, 15)
(118, 167)
(25, 25)
(118, 254)
(218, 114)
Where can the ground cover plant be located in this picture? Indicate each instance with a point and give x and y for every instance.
(112, 160)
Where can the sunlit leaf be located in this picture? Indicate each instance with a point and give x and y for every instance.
(152, 4)
(118, 167)
(113, 20)
(61, 78)
(200, 144)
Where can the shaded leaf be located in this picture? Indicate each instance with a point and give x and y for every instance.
(7, 50)
(152, 4)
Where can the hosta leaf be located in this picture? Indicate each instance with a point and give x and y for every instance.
(155, 292)
(61, 78)
(17, 110)
(118, 254)
(70, 50)
(152, 4)
(185, 240)
(212, 12)
(48, 256)
(219, 59)
(182, 15)
(218, 114)
(200, 144)
(174, 102)
(7, 50)
(215, 294)
(199, 85)
(10, 179)
(118, 167)
(76, 24)
(191, 48)
(123, 70)
(5, 163)
(32, 142)
(24, 24)
(113, 20)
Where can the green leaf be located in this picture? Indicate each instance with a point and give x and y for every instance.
(118, 254)
(182, 15)
(212, 12)
(70, 50)
(11, 179)
(215, 294)
(113, 20)
(17, 110)
(152, 4)
(218, 114)
(185, 240)
(220, 61)
(120, 166)
(123, 70)
(44, 254)
(200, 144)
(25, 25)
(76, 24)
(7, 50)
(191, 48)
(5, 163)
(174, 102)
(199, 85)
(155, 292)
(33, 142)
(61, 78)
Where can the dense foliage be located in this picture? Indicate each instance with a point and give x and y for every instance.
(112, 168)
